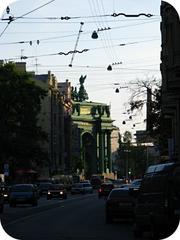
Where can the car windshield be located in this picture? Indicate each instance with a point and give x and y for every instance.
(77, 185)
(56, 187)
(136, 182)
(23, 188)
(119, 193)
(45, 185)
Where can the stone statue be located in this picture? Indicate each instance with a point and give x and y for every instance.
(82, 94)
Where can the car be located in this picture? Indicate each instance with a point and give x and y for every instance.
(119, 204)
(81, 188)
(134, 186)
(136, 183)
(157, 205)
(23, 194)
(105, 189)
(125, 185)
(95, 181)
(118, 183)
(43, 188)
(57, 191)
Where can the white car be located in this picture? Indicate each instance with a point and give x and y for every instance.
(81, 188)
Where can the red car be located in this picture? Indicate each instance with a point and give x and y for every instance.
(105, 189)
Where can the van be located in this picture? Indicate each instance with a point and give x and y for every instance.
(158, 202)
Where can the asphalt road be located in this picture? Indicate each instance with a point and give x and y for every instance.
(77, 218)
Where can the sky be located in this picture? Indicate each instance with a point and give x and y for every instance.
(131, 45)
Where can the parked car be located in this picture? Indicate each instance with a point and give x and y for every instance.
(105, 189)
(23, 194)
(136, 183)
(81, 188)
(119, 204)
(157, 207)
(118, 183)
(1, 201)
(56, 191)
(43, 188)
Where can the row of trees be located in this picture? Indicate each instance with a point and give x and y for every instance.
(20, 104)
(132, 159)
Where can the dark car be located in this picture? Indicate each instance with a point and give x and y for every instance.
(56, 191)
(23, 194)
(119, 204)
(134, 186)
(105, 189)
(43, 188)
(157, 206)
(136, 183)
(95, 181)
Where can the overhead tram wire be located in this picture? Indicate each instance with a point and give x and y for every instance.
(71, 35)
(74, 22)
(93, 9)
(4, 30)
(102, 67)
(37, 8)
(12, 19)
(76, 51)
(67, 18)
(108, 34)
(104, 38)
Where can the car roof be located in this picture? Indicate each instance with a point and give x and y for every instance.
(160, 167)
(107, 183)
(22, 184)
(119, 190)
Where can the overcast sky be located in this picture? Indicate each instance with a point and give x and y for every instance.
(131, 45)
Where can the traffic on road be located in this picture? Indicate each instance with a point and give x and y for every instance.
(82, 211)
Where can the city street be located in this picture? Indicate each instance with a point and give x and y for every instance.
(78, 217)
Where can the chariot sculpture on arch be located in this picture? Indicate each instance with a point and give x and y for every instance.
(82, 94)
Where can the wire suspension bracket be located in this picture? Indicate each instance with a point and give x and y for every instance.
(75, 47)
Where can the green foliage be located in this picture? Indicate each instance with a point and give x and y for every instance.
(155, 115)
(20, 104)
(127, 137)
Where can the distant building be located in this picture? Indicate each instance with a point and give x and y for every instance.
(54, 120)
(115, 134)
(91, 135)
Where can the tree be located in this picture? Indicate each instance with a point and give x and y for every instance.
(148, 92)
(20, 104)
(127, 137)
(132, 160)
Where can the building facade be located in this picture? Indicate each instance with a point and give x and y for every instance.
(91, 139)
(170, 70)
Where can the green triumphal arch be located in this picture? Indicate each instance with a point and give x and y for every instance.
(91, 138)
